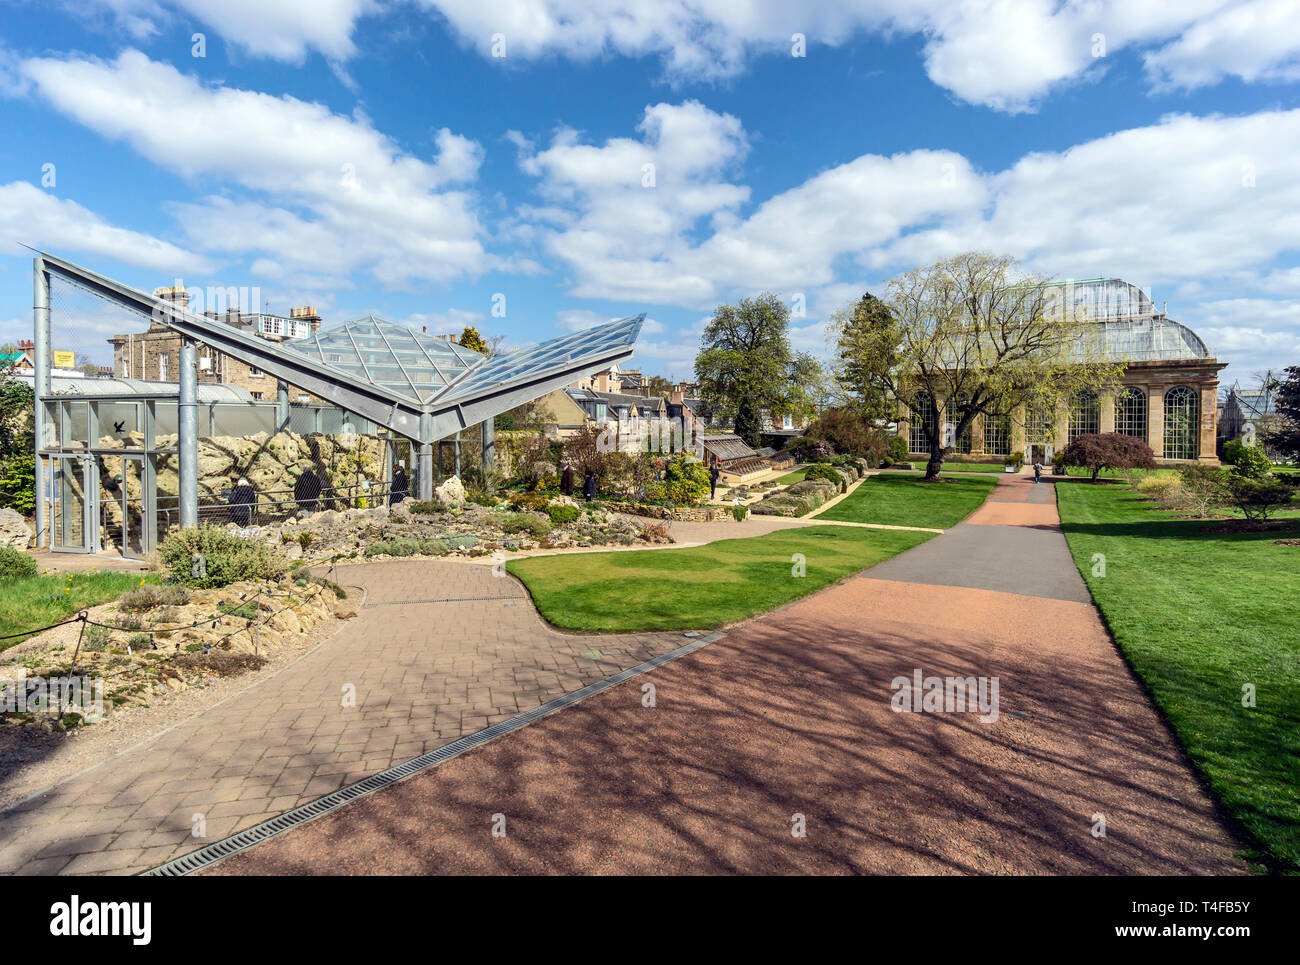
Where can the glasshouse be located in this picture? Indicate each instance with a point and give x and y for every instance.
(121, 461)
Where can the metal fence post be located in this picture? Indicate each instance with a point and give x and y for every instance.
(188, 425)
(41, 383)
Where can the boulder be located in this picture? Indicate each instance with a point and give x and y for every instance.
(452, 492)
(14, 530)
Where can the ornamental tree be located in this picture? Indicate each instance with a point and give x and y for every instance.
(1108, 450)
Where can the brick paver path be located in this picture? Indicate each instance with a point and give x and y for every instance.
(788, 719)
(423, 674)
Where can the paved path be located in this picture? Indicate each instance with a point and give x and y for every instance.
(423, 674)
(788, 719)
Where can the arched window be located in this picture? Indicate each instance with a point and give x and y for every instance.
(1182, 423)
(1131, 413)
(1085, 415)
(920, 427)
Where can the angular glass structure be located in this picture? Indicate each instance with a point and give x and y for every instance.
(413, 385)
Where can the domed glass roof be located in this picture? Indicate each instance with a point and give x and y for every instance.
(1132, 328)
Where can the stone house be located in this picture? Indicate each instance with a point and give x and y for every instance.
(154, 354)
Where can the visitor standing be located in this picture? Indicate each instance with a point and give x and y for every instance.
(566, 478)
(400, 488)
(713, 481)
(1038, 472)
(589, 487)
(242, 499)
(306, 490)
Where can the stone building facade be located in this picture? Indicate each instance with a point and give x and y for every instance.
(1168, 396)
(154, 354)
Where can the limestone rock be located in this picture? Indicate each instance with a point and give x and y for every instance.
(452, 492)
(13, 529)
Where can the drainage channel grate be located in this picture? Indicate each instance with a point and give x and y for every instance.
(448, 599)
(242, 840)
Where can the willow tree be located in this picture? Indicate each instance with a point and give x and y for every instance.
(977, 334)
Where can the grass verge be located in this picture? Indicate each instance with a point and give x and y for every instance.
(904, 499)
(1199, 616)
(701, 586)
(38, 601)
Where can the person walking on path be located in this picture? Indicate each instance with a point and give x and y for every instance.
(566, 478)
(1038, 472)
(242, 499)
(589, 487)
(713, 481)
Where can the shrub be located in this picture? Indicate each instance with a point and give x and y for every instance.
(1204, 487)
(1165, 490)
(526, 523)
(219, 663)
(15, 564)
(1248, 462)
(407, 547)
(211, 557)
(139, 641)
(534, 501)
(94, 639)
(563, 515)
(18, 482)
(897, 448)
(1258, 498)
(428, 507)
(739, 513)
(147, 596)
(686, 481)
(848, 432)
(825, 471)
(481, 497)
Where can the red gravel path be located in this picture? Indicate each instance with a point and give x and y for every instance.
(791, 714)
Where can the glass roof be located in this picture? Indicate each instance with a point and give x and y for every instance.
(533, 360)
(424, 367)
(372, 349)
(1151, 338)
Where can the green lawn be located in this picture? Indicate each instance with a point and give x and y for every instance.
(904, 499)
(702, 586)
(39, 601)
(1198, 616)
(973, 467)
(789, 479)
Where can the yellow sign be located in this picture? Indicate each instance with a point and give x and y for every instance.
(64, 360)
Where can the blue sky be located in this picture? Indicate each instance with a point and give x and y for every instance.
(376, 155)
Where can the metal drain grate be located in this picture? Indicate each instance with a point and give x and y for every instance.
(210, 854)
(449, 599)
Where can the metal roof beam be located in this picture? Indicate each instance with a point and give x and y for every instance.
(372, 402)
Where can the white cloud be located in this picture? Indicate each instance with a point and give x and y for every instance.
(31, 216)
(337, 193)
(281, 29)
(1004, 54)
(1256, 41)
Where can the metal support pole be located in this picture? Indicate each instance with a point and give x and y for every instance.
(426, 457)
(41, 383)
(455, 453)
(281, 406)
(489, 435)
(188, 424)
